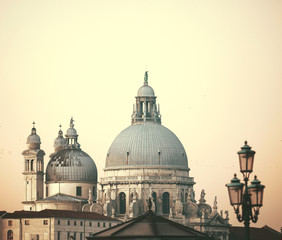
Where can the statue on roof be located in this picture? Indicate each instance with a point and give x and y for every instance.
(146, 78)
(202, 199)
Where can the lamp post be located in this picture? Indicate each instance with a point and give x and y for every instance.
(246, 200)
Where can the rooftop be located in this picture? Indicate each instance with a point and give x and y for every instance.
(47, 213)
(150, 226)
(263, 233)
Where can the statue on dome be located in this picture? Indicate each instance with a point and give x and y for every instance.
(146, 78)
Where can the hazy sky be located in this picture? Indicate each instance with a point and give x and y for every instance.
(216, 67)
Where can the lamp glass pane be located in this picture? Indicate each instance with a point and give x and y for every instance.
(250, 162)
(256, 196)
(246, 162)
(235, 195)
(243, 162)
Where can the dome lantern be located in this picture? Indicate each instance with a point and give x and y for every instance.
(71, 136)
(59, 142)
(145, 108)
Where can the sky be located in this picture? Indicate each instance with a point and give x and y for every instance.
(215, 66)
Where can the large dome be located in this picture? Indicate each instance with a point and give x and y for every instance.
(148, 145)
(71, 165)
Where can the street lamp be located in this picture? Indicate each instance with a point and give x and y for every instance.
(249, 198)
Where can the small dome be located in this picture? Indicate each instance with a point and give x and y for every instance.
(59, 141)
(147, 145)
(33, 140)
(71, 165)
(71, 132)
(33, 137)
(145, 91)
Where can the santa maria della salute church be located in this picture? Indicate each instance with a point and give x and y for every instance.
(145, 163)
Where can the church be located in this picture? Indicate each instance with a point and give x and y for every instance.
(145, 163)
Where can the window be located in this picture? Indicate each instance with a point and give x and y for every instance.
(104, 224)
(59, 236)
(81, 223)
(26, 222)
(74, 235)
(47, 192)
(68, 234)
(98, 224)
(45, 222)
(10, 223)
(165, 204)
(68, 222)
(10, 235)
(31, 165)
(94, 192)
(27, 165)
(81, 236)
(110, 224)
(74, 223)
(122, 203)
(59, 222)
(78, 191)
(90, 224)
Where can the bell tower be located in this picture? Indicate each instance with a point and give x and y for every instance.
(33, 171)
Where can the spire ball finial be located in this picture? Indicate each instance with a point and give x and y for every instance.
(33, 123)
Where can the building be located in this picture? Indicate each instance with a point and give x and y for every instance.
(52, 225)
(265, 232)
(150, 226)
(145, 161)
(71, 174)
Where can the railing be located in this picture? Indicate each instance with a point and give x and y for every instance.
(147, 178)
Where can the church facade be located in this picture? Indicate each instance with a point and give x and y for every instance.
(146, 163)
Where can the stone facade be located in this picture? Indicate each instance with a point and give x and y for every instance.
(146, 163)
(52, 225)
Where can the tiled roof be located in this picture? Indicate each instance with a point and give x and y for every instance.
(59, 197)
(150, 226)
(2, 213)
(264, 233)
(47, 213)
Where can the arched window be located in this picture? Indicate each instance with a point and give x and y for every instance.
(27, 165)
(154, 195)
(31, 165)
(165, 202)
(122, 203)
(10, 235)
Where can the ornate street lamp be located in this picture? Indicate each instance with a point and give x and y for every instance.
(249, 198)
